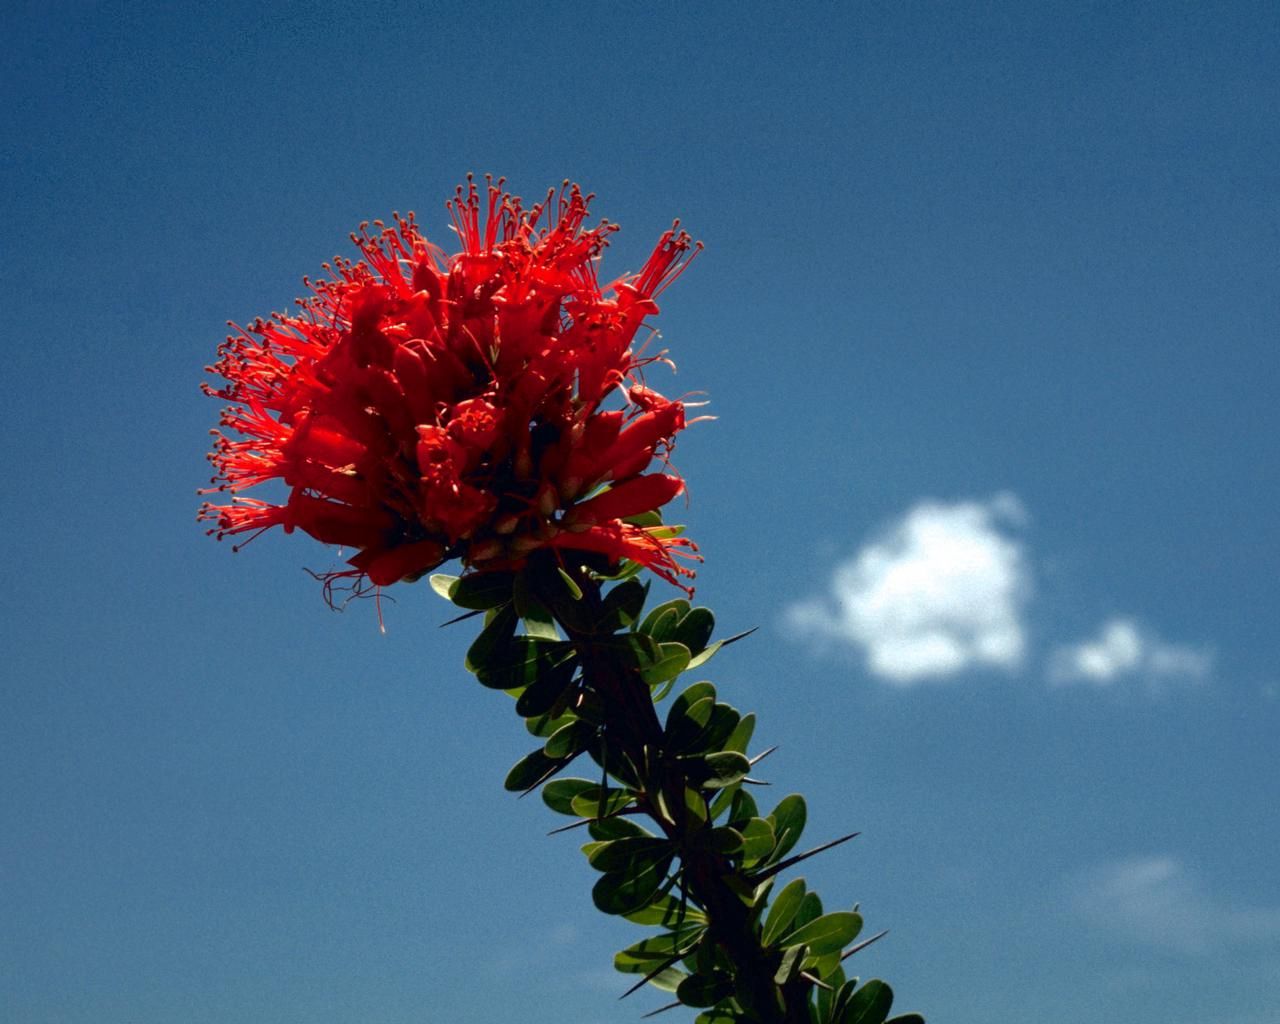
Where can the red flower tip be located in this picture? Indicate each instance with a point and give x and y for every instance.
(421, 407)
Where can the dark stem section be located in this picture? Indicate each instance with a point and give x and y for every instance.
(711, 880)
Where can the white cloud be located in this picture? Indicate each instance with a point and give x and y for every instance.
(940, 592)
(1122, 649)
(1157, 902)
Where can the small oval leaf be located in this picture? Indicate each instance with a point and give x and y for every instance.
(788, 822)
(783, 911)
(725, 768)
(558, 794)
(829, 933)
(529, 769)
(701, 990)
(870, 1004)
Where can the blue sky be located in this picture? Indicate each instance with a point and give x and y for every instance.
(988, 315)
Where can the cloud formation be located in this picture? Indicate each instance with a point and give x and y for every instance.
(1157, 902)
(1122, 650)
(942, 591)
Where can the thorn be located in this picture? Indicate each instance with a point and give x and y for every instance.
(756, 782)
(739, 636)
(588, 821)
(761, 756)
(670, 962)
(792, 861)
(862, 945)
(815, 981)
(661, 1009)
(567, 828)
(465, 615)
(559, 766)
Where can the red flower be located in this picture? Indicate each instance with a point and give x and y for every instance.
(420, 407)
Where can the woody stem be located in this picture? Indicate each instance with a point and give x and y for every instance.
(709, 879)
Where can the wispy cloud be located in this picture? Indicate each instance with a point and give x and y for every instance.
(1123, 650)
(1156, 901)
(942, 591)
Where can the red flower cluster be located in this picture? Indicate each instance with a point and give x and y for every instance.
(422, 407)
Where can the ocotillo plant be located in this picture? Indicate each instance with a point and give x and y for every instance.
(490, 407)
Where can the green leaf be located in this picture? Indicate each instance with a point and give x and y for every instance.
(789, 967)
(645, 519)
(688, 715)
(723, 800)
(688, 698)
(544, 725)
(695, 805)
(538, 620)
(906, 1018)
(686, 723)
(617, 828)
(701, 990)
(569, 739)
(477, 591)
(724, 719)
(545, 691)
(622, 892)
(626, 854)
(870, 1004)
(494, 637)
(666, 911)
(662, 620)
(520, 661)
(594, 803)
(694, 629)
(672, 660)
(823, 967)
(575, 591)
(668, 980)
(757, 840)
(660, 693)
(558, 794)
(783, 911)
(810, 909)
(829, 933)
(744, 807)
(629, 650)
(622, 605)
(840, 1000)
(826, 997)
(705, 655)
(589, 850)
(529, 769)
(741, 736)
(442, 584)
(643, 956)
(721, 840)
(788, 822)
(615, 762)
(539, 623)
(725, 768)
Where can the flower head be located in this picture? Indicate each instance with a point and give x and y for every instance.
(419, 407)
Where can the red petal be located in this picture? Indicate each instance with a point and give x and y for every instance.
(630, 498)
(386, 567)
